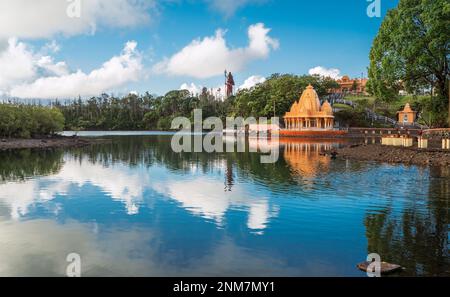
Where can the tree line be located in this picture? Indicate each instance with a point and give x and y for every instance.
(148, 112)
(25, 121)
(274, 97)
(136, 112)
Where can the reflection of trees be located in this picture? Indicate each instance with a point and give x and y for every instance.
(147, 151)
(229, 176)
(156, 150)
(418, 238)
(20, 164)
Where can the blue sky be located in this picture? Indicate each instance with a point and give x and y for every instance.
(68, 55)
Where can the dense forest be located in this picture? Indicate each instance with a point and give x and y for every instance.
(148, 112)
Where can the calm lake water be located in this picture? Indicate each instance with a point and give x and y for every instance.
(130, 206)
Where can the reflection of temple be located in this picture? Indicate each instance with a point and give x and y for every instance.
(305, 159)
(307, 114)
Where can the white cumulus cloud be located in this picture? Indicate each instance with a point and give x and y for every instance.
(219, 91)
(45, 18)
(252, 81)
(210, 56)
(41, 77)
(326, 72)
(17, 63)
(192, 88)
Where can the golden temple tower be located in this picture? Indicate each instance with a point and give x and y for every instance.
(308, 114)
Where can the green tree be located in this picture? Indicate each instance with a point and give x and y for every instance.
(277, 94)
(412, 50)
(24, 121)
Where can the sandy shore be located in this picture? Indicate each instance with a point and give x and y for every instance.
(391, 154)
(41, 143)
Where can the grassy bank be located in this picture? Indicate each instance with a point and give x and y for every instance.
(424, 105)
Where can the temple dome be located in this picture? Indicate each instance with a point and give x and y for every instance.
(309, 101)
(294, 108)
(326, 107)
(307, 114)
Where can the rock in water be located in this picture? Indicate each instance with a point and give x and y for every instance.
(386, 268)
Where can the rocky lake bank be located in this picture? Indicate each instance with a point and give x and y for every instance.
(392, 154)
(43, 143)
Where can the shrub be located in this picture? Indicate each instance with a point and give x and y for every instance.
(25, 121)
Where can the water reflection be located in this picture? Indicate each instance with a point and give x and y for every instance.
(21, 164)
(416, 236)
(130, 206)
(306, 159)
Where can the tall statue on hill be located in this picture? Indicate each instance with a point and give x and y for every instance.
(229, 84)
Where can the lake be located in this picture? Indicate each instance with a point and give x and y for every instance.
(130, 206)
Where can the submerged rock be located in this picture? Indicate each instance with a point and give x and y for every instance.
(386, 268)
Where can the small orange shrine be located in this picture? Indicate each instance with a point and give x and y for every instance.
(407, 115)
(308, 115)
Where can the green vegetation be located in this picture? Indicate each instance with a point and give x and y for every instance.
(341, 106)
(135, 112)
(360, 98)
(107, 113)
(147, 112)
(412, 51)
(348, 116)
(25, 121)
(277, 94)
(21, 164)
(420, 103)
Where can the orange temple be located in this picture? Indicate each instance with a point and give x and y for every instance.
(308, 115)
(407, 115)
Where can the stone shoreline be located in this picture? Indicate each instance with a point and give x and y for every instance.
(43, 143)
(392, 154)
